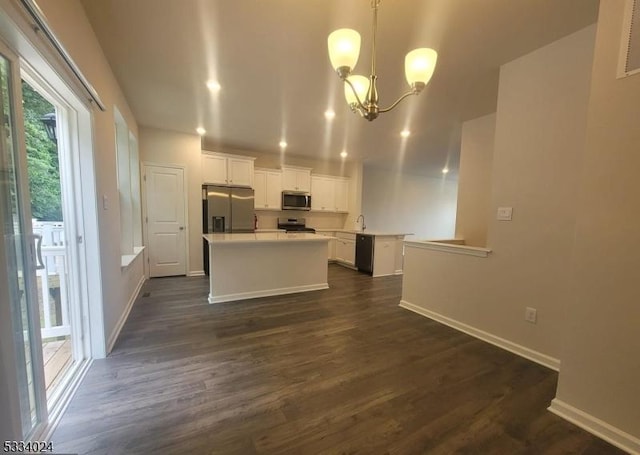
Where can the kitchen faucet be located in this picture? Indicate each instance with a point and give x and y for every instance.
(364, 226)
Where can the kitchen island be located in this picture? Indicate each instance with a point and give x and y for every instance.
(246, 266)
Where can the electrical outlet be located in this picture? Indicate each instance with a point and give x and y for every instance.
(531, 315)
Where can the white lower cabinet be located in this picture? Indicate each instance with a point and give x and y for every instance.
(388, 255)
(346, 248)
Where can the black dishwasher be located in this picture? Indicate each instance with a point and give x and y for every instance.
(364, 253)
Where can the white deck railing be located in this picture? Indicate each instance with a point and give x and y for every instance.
(53, 279)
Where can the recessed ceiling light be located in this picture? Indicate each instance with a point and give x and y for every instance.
(405, 133)
(200, 130)
(445, 170)
(344, 154)
(329, 114)
(283, 144)
(214, 86)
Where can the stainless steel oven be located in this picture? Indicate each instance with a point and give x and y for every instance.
(292, 200)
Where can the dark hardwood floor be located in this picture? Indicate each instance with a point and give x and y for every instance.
(343, 370)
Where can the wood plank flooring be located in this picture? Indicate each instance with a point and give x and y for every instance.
(56, 355)
(339, 371)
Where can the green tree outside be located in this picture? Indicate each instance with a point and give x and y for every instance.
(42, 158)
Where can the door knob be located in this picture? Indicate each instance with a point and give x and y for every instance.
(182, 228)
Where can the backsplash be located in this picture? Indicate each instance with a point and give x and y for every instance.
(317, 220)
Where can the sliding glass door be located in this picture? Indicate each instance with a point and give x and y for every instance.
(23, 249)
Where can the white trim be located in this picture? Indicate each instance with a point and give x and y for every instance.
(64, 399)
(595, 426)
(449, 248)
(195, 273)
(125, 314)
(227, 155)
(127, 259)
(535, 356)
(267, 293)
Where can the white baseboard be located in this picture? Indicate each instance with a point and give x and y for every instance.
(196, 273)
(595, 426)
(125, 314)
(267, 293)
(520, 350)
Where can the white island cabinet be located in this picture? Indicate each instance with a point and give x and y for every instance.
(246, 266)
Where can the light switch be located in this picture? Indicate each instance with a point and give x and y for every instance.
(505, 213)
(105, 202)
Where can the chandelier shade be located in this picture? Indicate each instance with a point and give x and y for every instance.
(419, 65)
(344, 48)
(361, 86)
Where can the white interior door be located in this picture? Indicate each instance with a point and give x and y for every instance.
(166, 228)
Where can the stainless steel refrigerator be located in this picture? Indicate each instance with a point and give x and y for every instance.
(226, 209)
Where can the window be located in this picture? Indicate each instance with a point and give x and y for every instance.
(128, 190)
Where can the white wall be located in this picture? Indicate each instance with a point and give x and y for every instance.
(600, 373)
(539, 143)
(474, 180)
(168, 147)
(409, 203)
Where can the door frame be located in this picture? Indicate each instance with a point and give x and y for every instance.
(145, 219)
(19, 37)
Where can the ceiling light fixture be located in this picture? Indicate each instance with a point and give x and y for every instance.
(343, 154)
(360, 92)
(214, 86)
(445, 170)
(405, 133)
(283, 144)
(329, 114)
(201, 131)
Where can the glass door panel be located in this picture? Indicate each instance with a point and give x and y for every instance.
(23, 251)
(53, 276)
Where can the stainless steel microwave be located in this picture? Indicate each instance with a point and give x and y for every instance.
(292, 200)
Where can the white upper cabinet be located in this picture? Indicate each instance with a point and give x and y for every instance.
(222, 169)
(329, 194)
(323, 194)
(296, 179)
(240, 171)
(268, 189)
(214, 169)
(342, 195)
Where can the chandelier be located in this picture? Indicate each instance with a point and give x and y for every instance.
(360, 91)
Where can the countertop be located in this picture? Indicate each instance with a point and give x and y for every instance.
(366, 231)
(264, 237)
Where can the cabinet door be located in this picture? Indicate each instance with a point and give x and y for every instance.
(322, 194)
(274, 190)
(290, 179)
(260, 187)
(303, 179)
(240, 172)
(316, 193)
(342, 195)
(350, 252)
(214, 170)
(341, 250)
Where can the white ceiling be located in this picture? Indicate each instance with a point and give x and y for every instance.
(271, 60)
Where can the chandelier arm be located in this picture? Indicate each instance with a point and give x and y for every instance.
(398, 101)
(353, 89)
